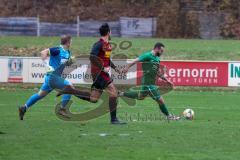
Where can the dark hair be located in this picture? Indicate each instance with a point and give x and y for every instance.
(104, 29)
(158, 45)
(65, 39)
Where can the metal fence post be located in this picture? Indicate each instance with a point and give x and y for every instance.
(38, 26)
(78, 29)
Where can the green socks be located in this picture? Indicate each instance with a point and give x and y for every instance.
(164, 109)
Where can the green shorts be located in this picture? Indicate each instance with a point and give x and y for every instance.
(151, 90)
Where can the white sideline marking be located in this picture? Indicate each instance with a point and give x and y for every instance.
(124, 134)
(107, 134)
(84, 134)
(103, 134)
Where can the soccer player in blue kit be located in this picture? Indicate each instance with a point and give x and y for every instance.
(59, 57)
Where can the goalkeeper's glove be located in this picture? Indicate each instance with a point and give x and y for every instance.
(71, 60)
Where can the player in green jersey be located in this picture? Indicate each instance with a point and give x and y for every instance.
(150, 67)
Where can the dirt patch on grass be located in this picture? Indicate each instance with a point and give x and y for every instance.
(20, 51)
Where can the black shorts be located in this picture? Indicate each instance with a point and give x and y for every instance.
(101, 81)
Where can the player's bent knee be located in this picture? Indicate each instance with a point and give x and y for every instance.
(113, 93)
(42, 93)
(71, 86)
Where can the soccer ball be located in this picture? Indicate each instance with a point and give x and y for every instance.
(188, 114)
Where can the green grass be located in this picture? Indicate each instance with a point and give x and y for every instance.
(213, 135)
(183, 49)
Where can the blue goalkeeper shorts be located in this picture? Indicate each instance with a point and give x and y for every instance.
(52, 81)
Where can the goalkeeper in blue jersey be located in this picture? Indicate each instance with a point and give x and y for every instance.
(59, 57)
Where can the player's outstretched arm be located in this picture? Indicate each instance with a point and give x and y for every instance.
(113, 66)
(44, 54)
(44, 57)
(125, 70)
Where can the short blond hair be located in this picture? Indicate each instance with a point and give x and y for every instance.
(65, 39)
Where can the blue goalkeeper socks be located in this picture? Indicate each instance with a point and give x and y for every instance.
(33, 99)
(36, 97)
(65, 99)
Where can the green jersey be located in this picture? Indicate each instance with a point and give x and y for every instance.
(150, 67)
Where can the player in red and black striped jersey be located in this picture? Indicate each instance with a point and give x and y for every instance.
(100, 67)
(101, 63)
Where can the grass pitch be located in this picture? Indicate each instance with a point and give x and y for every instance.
(213, 134)
(176, 49)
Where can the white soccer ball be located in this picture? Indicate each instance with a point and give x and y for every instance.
(188, 114)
